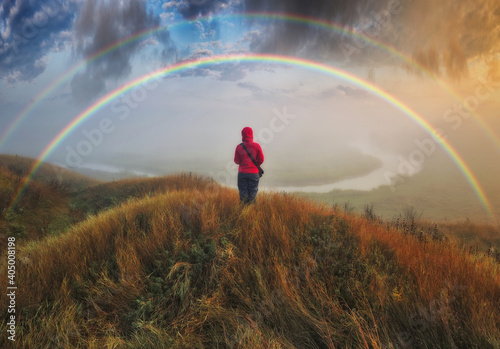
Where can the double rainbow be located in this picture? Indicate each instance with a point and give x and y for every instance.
(285, 17)
(253, 58)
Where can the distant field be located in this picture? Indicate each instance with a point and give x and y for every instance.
(304, 171)
(439, 193)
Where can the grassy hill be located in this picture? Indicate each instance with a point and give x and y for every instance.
(182, 264)
(107, 195)
(51, 174)
(57, 198)
(43, 207)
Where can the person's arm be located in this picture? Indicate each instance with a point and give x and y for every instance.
(260, 156)
(237, 159)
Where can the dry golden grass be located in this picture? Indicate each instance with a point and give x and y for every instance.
(20, 166)
(193, 268)
(44, 204)
(41, 208)
(473, 235)
(107, 195)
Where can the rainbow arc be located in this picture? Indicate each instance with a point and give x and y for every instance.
(255, 58)
(284, 17)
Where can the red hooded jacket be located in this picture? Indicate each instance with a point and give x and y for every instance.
(241, 157)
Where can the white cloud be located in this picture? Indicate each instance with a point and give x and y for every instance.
(167, 16)
(175, 4)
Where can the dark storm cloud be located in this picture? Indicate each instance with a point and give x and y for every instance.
(305, 40)
(28, 31)
(342, 11)
(441, 35)
(101, 24)
(285, 37)
(444, 35)
(281, 37)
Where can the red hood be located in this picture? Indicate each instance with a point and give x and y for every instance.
(247, 134)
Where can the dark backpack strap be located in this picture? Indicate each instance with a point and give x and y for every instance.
(261, 171)
(250, 156)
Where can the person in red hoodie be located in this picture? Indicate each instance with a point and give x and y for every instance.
(248, 173)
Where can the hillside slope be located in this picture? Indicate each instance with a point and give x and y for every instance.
(46, 173)
(43, 208)
(56, 198)
(103, 196)
(192, 268)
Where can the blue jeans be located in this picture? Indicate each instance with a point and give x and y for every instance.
(248, 185)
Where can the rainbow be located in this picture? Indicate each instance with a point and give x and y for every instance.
(293, 18)
(68, 74)
(253, 58)
(411, 62)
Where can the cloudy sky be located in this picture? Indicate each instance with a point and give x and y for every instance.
(59, 57)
